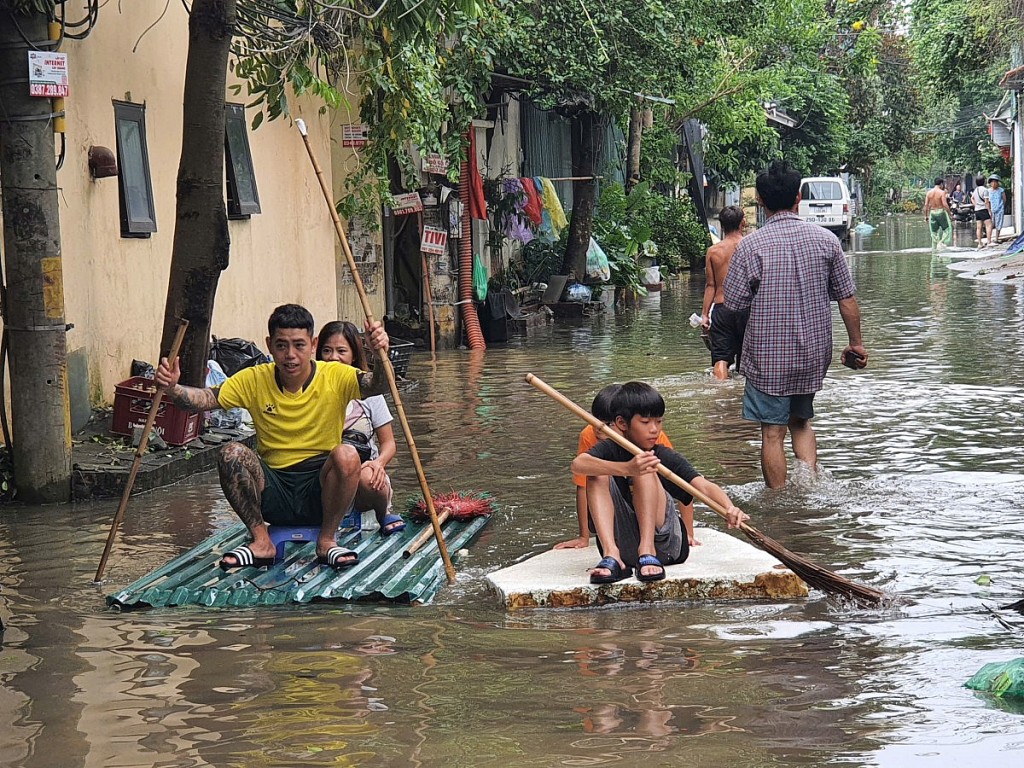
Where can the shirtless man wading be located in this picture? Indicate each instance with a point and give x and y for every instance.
(726, 326)
(937, 213)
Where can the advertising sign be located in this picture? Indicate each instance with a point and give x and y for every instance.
(355, 135)
(434, 241)
(410, 202)
(47, 74)
(435, 163)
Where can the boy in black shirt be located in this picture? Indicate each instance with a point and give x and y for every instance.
(631, 508)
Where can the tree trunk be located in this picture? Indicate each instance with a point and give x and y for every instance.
(201, 241)
(34, 302)
(586, 154)
(636, 132)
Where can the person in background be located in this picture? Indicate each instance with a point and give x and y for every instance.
(787, 274)
(725, 326)
(956, 197)
(997, 206)
(982, 211)
(937, 214)
(367, 427)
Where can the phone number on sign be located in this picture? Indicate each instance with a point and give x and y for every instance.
(49, 90)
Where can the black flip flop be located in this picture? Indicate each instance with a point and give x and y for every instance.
(339, 558)
(244, 557)
(616, 572)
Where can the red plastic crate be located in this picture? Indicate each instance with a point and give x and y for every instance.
(132, 400)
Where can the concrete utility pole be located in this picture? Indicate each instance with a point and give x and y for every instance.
(33, 310)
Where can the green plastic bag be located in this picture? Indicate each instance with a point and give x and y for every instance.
(479, 278)
(1002, 678)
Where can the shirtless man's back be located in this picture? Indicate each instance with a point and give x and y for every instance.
(937, 213)
(726, 327)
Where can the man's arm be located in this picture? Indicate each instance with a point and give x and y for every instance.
(849, 310)
(369, 383)
(186, 398)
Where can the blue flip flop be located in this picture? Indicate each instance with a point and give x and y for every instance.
(649, 561)
(616, 572)
(391, 524)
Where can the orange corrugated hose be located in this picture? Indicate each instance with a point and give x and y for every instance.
(469, 316)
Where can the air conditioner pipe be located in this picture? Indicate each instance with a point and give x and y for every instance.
(469, 316)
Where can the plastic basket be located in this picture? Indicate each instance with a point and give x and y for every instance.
(132, 400)
(399, 352)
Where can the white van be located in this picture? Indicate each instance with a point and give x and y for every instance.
(826, 201)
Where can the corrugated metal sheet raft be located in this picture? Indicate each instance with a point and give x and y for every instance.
(194, 578)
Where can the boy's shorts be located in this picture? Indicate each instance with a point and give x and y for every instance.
(726, 334)
(293, 497)
(772, 409)
(670, 543)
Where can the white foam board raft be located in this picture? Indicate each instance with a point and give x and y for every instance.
(724, 567)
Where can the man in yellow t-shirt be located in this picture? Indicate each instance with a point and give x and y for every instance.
(300, 473)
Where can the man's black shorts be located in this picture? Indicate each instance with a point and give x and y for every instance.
(982, 215)
(727, 328)
(292, 496)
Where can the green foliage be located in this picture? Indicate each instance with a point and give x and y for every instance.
(627, 226)
(418, 70)
(961, 50)
(681, 237)
(539, 260)
(597, 56)
(621, 228)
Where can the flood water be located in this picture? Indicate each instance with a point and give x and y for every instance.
(925, 495)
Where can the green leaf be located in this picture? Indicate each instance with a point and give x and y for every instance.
(983, 580)
(257, 120)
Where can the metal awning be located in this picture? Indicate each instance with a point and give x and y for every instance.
(1013, 80)
(382, 574)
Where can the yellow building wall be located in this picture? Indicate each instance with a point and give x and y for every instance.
(115, 288)
(364, 236)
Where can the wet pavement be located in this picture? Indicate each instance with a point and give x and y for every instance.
(925, 486)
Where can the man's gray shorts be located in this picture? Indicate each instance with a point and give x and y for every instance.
(668, 540)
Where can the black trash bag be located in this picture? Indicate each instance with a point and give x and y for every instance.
(142, 368)
(233, 355)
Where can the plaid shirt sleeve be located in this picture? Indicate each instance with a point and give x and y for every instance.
(737, 290)
(840, 281)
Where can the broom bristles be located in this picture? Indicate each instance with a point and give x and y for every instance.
(814, 574)
(461, 505)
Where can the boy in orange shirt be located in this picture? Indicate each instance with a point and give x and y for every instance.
(601, 408)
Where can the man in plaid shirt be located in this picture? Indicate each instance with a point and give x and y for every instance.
(787, 274)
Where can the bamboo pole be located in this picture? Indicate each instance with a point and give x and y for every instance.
(154, 409)
(383, 361)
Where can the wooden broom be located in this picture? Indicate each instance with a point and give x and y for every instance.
(812, 573)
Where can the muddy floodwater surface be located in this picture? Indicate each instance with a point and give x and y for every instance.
(923, 498)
